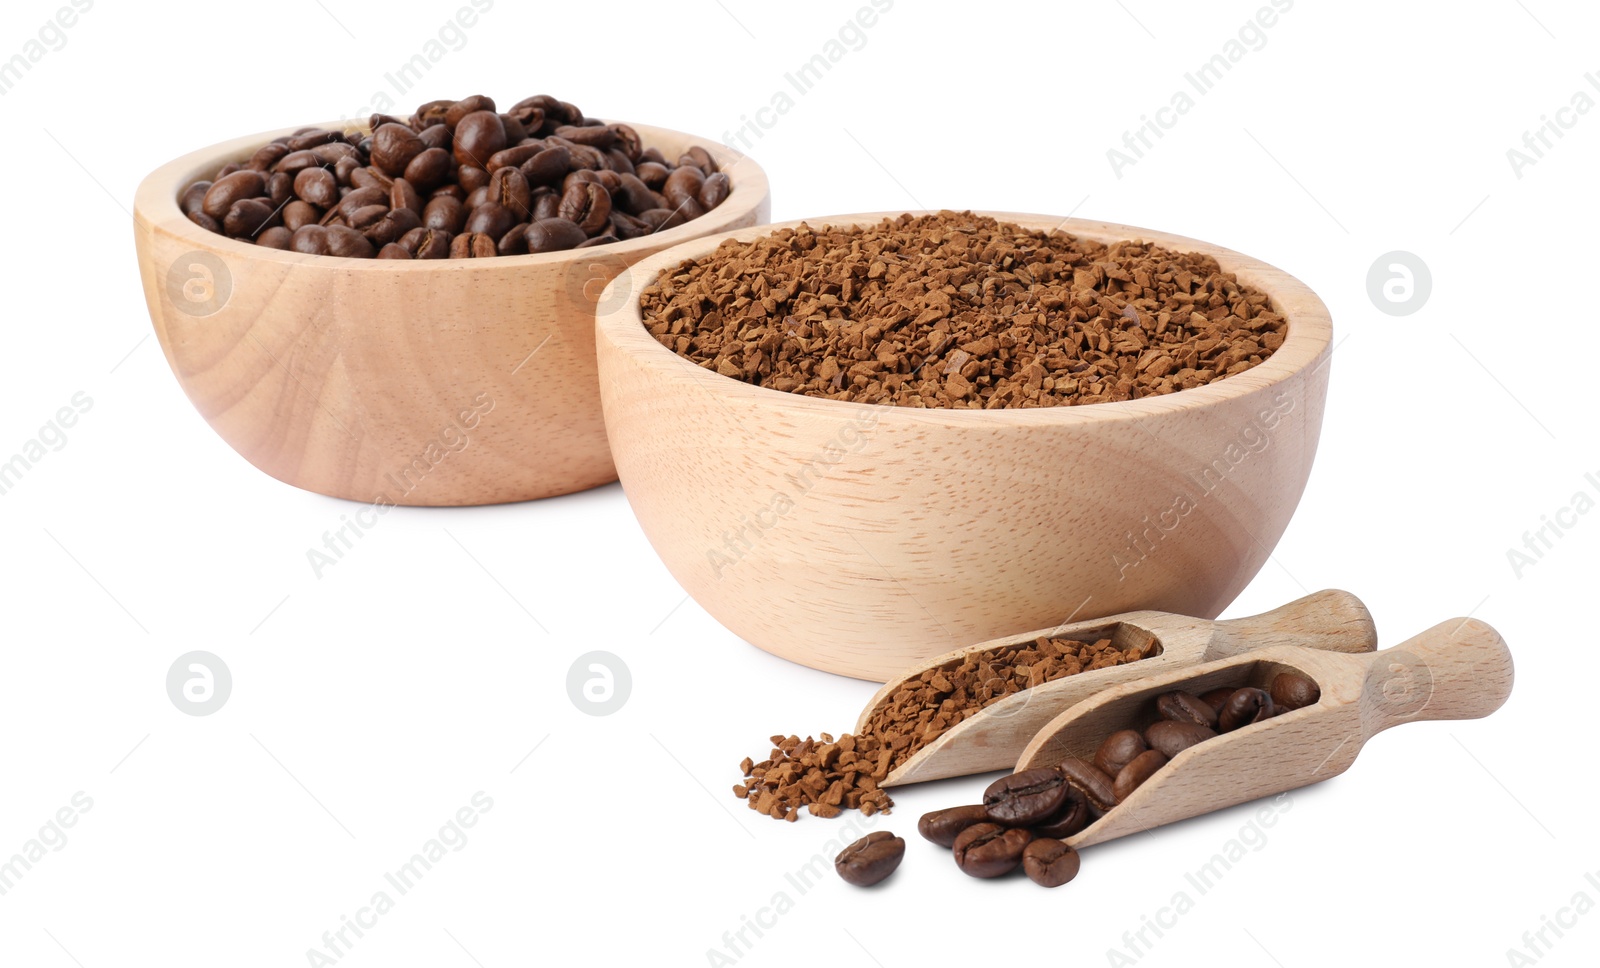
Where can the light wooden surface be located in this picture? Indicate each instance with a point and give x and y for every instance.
(1459, 669)
(995, 737)
(861, 539)
(349, 377)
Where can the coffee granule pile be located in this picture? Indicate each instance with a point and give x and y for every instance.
(960, 310)
(832, 775)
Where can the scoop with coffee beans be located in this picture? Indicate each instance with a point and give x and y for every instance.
(1025, 818)
(458, 180)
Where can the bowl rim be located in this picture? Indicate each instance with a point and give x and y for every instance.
(155, 207)
(1308, 345)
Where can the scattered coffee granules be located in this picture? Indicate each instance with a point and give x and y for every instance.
(960, 310)
(827, 777)
(830, 776)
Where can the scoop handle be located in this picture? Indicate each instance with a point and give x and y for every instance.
(1459, 669)
(1330, 620)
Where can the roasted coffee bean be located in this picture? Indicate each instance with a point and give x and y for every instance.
(430, 114)
(942, 826)
(268, 155)
(1090, 781)
(429, 169)
(546, 206)
(227, 170)
(280, 189)
(515, 130)
(298, 213)
(471, 178)
(1216, 698)
(515, 242)
(227, 190)
(297, 161)
(683, 186)
(688, 210)
(192, 200)
(345, 169)
(402, 195)
(549, 166)
(394, 224)
(478, 135)
(449, 191)
(617, 160)
(317, 186)
(445, 213)
(393, 148)
(490, 219)
(609, 180)
(332, 154)
(1182, 707)
(989, 850)
(310, 239)
(1049, 862)
(312, 137)
(593, 137)
(247, 217)
(426, 243)
(652, 174)
(347, 242)
(1143, 767)
(1172, 738)
(509, 188)
(393, 251)
(627, 141)
(653, 154)
(276, 237)
(206, 222)
(1026, 798)
(701, 159)
(1073, 817)
(1245, 706)
(554, 235)
(632, 195)
(360, 198)
(660, 219)
(714, 191)
(454, 114)
(625, 226)
(587, 205)
(437, 136)
(513, 157)
(472, 245)
(368, 176)
(1118, 751)
(1291, 691)
(870, 859)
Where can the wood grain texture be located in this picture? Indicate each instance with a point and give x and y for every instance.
(994, 738)
(1459, 669)
(350, 377)
(860, 539)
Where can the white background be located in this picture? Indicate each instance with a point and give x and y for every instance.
(369, 705)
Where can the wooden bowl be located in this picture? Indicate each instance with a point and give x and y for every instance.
(443, 382)
(860, 539)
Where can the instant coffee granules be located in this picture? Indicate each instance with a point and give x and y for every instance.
(959, 310)
(457, 179)
(830, 776)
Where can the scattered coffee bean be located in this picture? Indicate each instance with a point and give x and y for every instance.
(990, 850)
(942, 826)
(1181, 707)
(1027, 798)
(1073, 816)
(870, 859)
(1143, 767)
(1118, 751)
(1173, 738)
(1247, 705)
(1049, 862)
(488, 165)
(1290, 691)
(956, 310)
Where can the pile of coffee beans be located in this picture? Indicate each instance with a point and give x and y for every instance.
(958, 310)
(1024, 817)
(828, 776)
(457, 179)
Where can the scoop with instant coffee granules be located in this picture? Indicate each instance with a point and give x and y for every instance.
(991, 735)
(1459, 669)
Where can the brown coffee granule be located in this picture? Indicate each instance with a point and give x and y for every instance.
(831, 776)
(925, 708)
(960, 310)
(827, 777)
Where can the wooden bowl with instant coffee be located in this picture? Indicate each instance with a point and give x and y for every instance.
(861, 538)
(413, 382)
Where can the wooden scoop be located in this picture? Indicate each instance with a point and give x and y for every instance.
(1458, 669)
(993, 738)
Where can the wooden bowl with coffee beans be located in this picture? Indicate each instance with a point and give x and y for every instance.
(866, 440)
(401, 311)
